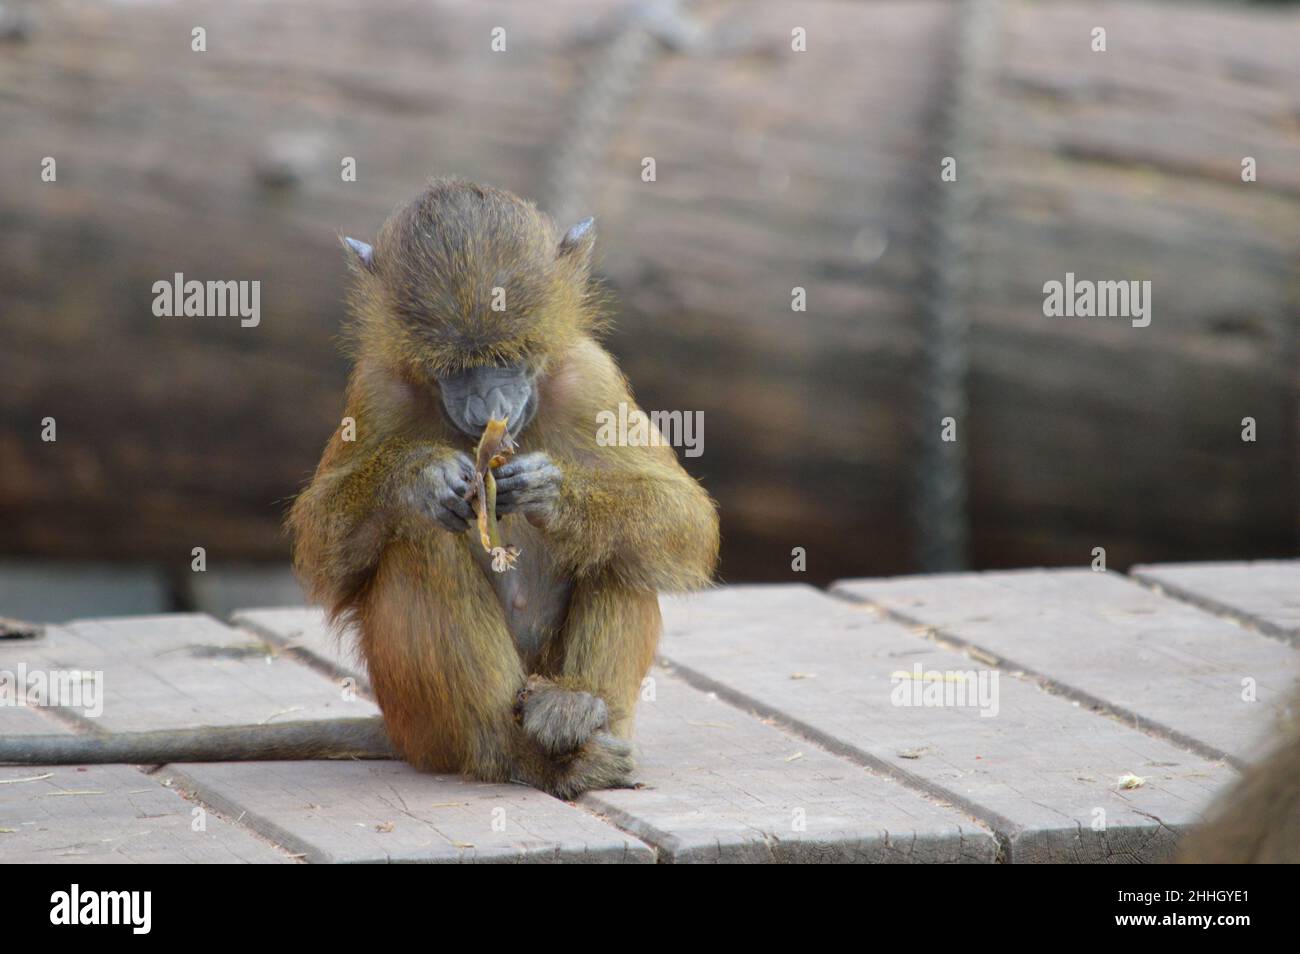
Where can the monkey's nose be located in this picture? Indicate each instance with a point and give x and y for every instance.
(497, 404)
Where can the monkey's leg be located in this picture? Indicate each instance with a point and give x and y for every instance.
(604, 651)
(447, 675)
(443, 666)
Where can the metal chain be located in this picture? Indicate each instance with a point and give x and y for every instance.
(939, 510)
(645, 28)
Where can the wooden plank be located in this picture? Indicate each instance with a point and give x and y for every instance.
(385, 812)
(186, 670)
(1041, 772)
(1264, 594)
(303, 629)
(189, 669)
(1164, 666)
(112, 814)
(719, 786)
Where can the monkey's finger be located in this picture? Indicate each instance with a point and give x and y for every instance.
(510, 485)
(458, 481)
(462, 467)
(521, 465)
(451, 521)
(526, 489)
(545, 474)
(508, 500)
(458, 506)
(460, 489)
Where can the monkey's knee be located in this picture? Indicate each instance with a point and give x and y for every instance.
(559, 720)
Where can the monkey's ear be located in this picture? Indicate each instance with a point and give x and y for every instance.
(360, 252)
(579, 241)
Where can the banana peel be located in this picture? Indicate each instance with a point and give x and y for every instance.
(494, 449)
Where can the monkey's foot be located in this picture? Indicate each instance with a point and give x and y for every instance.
(604, 762)
(559, 720)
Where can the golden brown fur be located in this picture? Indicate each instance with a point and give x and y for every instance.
(1257, 821)
(435, 626)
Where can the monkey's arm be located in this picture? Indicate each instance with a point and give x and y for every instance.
(365, 492)
(643, 520)
(630, 513)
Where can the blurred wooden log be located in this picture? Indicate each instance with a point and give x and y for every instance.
(1127, 164)
(774, 171)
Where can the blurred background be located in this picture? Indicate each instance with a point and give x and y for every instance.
(776, 168)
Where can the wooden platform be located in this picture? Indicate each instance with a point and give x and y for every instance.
(773, 729)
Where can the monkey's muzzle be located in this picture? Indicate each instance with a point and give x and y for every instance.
(477, 395)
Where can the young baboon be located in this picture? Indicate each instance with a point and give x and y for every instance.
(471, 306)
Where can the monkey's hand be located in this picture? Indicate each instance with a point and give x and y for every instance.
(559, 719)
(441, 491)
(528, 484)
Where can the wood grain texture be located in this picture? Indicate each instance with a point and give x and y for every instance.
(1263, 594)
(777, 728)
(303, 630)
(1127, 165)
(1157, 663)
(1042, 771)
(108, 814)
(775, 170)
(186, 670)
(386, 812)
(720, 785)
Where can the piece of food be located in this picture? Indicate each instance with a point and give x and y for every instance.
(494, 449)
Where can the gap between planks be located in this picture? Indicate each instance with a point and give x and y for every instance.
(1129, 719)
(993, 823)
(1211, 607)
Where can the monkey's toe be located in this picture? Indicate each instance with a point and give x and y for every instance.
(604, 762)
(561, 720)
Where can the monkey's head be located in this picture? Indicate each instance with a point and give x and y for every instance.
(471, 291)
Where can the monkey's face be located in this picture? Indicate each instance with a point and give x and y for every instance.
(474, 396)
(471, 291)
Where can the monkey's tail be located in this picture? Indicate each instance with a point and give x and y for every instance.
(362, 738)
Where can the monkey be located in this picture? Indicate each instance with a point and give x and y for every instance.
(1257, 821)
(471, 305)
